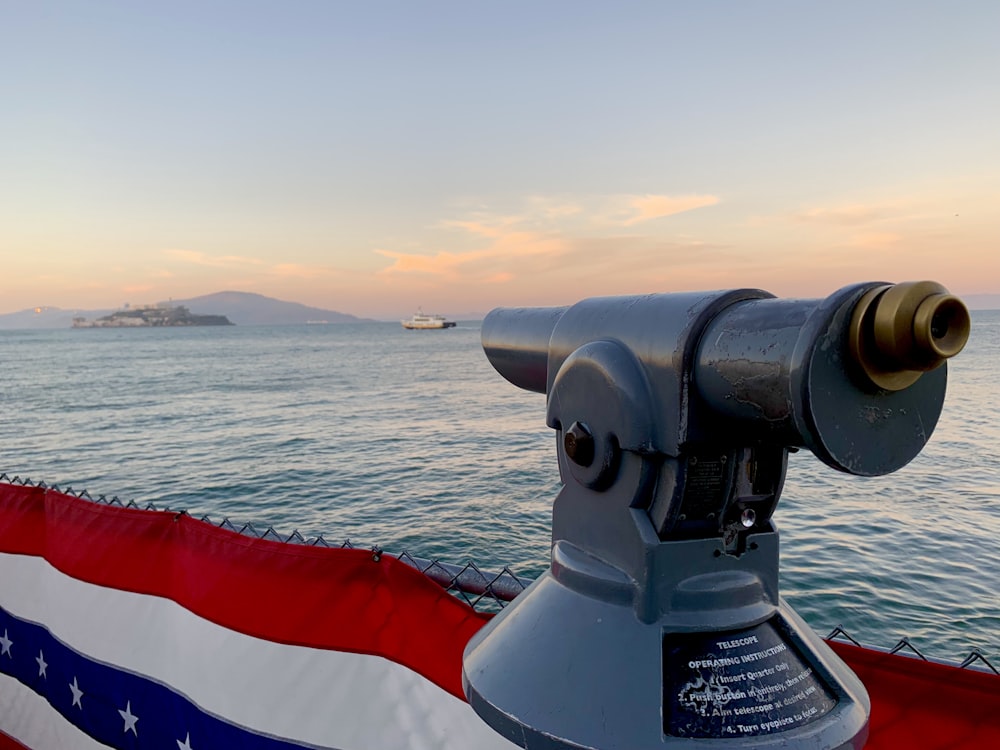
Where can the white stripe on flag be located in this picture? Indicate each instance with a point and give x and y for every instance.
(327, 698)
(29, 719)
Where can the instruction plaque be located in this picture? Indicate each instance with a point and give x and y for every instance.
(738, 683)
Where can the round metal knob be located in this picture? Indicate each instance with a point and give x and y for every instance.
(579, 444)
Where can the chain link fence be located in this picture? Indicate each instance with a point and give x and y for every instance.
(484, 591)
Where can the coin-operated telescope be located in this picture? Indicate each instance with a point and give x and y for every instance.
(659, 623)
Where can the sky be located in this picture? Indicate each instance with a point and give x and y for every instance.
(373, 157)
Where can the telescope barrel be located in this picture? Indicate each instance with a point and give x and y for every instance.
(516, 341)
(854, 377)
(751, 354)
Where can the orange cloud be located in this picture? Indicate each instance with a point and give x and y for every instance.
(485, 263)
(539, 212)
(649, 207)
(474, 227)
(440, 264)
(543, 245)
(876, 240)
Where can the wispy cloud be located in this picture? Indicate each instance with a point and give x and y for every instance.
(552, 238)
(538, 212)
(502, 277)
(649, 207)
(439, 264)
(484, 229)
(876, 240)
(487, 264)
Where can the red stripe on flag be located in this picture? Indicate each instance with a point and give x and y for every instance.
(922, 704)
(9, 743)
(300, 595)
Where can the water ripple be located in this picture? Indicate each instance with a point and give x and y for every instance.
(413, 441)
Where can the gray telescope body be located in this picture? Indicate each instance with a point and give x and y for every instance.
(659, 623)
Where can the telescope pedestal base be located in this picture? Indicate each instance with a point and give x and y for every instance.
(559, 669)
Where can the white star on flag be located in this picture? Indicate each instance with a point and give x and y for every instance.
(5, 644)
(42, 666)
(77, 694)
(130, 719)
(186, 744)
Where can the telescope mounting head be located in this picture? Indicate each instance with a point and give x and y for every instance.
(675, 415)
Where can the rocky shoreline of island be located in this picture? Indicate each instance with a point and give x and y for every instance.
(152, 316)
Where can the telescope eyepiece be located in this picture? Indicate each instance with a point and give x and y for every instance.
(941, 325)
(900, 331)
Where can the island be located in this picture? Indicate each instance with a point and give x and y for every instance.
(146, 316)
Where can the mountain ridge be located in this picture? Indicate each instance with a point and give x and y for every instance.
(251, 308)
(242, 308)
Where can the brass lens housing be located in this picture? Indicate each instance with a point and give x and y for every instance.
(900, 331)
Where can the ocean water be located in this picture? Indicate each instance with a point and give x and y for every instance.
(411, 440)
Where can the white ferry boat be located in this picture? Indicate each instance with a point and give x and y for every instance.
(421, 321)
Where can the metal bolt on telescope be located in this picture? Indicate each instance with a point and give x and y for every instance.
(659, 623)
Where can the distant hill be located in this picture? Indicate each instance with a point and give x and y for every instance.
(248, 309)
(242, 308)
(46, 317)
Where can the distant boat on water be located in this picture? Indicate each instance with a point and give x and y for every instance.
(422, 321)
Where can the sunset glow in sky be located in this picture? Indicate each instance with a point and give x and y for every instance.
(372, 157)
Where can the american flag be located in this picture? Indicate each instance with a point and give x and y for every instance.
(130, 628)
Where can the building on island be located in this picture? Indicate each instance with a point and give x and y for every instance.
(146, 316)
